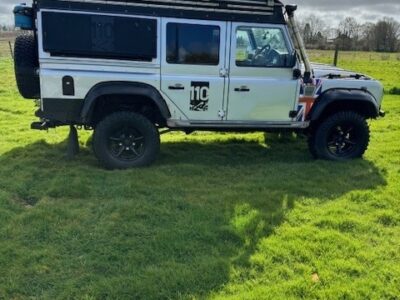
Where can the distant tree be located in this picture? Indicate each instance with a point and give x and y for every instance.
(351, 35)
(349, 27)
(386, 35)
(313, 28)
(241, 42)
(321, 40)
(5, 27)
(348, 34)
(368, 36)
(307, 34)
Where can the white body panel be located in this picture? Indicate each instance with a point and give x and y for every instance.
(86, 79)
(89, 72)
(184, 75)
(347, 82)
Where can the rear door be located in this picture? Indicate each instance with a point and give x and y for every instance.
(192, 67)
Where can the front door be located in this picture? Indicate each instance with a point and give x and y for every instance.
(193, 64)
(261, 85)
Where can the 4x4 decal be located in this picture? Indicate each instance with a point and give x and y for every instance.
(199, 95)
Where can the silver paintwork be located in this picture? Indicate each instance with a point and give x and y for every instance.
(274, 92)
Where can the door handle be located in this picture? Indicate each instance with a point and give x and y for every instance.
(176, 87)
(242, 89)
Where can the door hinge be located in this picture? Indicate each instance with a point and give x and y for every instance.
(221, 114)
(223, 72)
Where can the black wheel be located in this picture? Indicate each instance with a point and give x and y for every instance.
(126, 140)
(26, 62)
(342, 136)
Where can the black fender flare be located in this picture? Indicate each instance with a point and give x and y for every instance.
(122, 88)
(361, 98)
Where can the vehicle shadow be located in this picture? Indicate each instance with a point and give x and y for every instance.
(168, 231)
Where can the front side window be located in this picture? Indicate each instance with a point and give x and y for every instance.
(261, 47)
(193, 44)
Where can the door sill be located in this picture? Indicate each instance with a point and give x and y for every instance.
(236, 124)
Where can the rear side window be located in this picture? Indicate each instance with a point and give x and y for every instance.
(193, 44)
(99, 36)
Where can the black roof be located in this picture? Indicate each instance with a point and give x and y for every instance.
(260, 11)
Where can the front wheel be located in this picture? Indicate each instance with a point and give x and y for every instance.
(342, 136)
(126, 140)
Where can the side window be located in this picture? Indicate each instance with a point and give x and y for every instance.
(261, 47)
(99, 36)
(193, 44)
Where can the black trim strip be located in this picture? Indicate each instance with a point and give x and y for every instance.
(122, 88)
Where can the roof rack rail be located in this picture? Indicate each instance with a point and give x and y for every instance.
(250, 10)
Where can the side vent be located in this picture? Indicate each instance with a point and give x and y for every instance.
(68, 86)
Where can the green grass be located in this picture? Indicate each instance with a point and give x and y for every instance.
(5, 51)
(219, 216)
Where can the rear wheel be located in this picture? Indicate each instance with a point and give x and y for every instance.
(342, 136)
(126, 140)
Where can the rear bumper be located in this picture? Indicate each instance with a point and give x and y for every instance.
(66, 111)
(57, 112)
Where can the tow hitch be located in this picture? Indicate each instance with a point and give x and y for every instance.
(72, 141)
(42, 125)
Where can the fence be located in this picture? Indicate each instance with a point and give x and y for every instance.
(6, 49)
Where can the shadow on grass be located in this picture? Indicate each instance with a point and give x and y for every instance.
(172, 230)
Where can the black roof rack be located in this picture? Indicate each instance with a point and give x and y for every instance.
(265, 11)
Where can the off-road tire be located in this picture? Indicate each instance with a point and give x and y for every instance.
(325, 135)
(134, 122)
(26, 63)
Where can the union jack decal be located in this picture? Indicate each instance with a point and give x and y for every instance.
(308, 94)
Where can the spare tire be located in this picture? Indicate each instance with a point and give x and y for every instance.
(26, 64)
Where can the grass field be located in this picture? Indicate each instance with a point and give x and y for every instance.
(219, 216)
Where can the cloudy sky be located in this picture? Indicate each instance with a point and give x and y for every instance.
(331, 10)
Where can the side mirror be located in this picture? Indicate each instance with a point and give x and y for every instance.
(296, 74)
(291, 60)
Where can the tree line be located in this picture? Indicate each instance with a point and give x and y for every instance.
(382, 36)
(6, 28)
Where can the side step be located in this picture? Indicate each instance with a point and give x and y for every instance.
(223, 125)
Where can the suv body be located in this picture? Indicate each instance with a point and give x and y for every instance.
(128, 69)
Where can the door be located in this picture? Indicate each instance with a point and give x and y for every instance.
(261, 86)
(193, 67)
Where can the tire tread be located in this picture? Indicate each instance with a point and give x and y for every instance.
(26, 62)
(317, 149)
(107, 160)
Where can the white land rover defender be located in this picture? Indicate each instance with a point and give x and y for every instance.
(129, 68)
